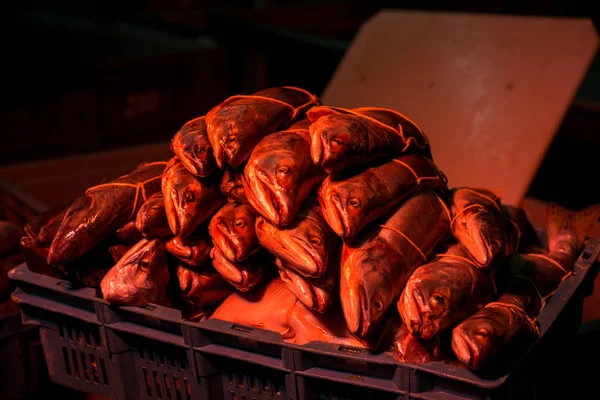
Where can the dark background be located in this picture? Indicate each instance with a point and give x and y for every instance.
(87, 76)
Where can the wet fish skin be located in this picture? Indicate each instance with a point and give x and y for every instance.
(478, 224)
(303, 246)
(280, 174)
(317, 294)
(194, 250)
(377, 264)
(202, 289)
(140, 277)
(193, 148)
(236, 125)
(233, 232)
(118, 251)
(344, 138)
(351, 201)
(128, 234)
(151, 220)
(232, 186)
(245, 275)
(443, 292)
(44, 226)
(411, 349)
(189, 201)
(509, 322)
(95, 215)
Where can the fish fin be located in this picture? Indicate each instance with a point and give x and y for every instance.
(579, 224)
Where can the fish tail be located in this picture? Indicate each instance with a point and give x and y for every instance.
(577, 224)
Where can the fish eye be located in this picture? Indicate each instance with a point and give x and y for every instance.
(314, 240)
(337, 140)
(240, 223)
(283, 169)
(438, 299)
(199, 149)
(377, 305)
(353, 202)
(154, 208)
(496, 243)
(144, 264)
(231, 139)
(189, 197)
(482, 332)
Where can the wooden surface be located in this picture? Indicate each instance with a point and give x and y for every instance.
(489, 91)
(57, 182)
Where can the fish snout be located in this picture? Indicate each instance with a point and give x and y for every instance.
(316, 146)
(414, 309)
(336, 212)
(465, 348)
(356, 310)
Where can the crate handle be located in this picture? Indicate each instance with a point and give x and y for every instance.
(65, 284)
(351, 350)
(242, 328)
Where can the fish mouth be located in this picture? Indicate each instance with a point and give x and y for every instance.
(260, 197)
(412, 311)
(339, 224)
(227, 270)
(181, 252)
(229, 247)
(306, 259)
(464, 348)
(196, 167)
(355, 310)
(317, 150)
(484, 248)
(277, 205)
(174, 217)
(299, 287)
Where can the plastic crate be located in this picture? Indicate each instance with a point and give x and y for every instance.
(152, 353)
(21, 358)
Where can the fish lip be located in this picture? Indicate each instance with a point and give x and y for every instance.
(226, 245)
(317, 149)
(355, 313)
(174, 220)
(341, 225)
(305, 295)
(464, 348)
(309, 254)
(258, 196)
(195, 167)
(226, 269)
(220, 154)
(272, 205)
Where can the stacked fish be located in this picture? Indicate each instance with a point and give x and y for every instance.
(319, 223)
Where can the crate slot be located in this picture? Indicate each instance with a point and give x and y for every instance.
(350, 378)
(327, 390)
(246, 380)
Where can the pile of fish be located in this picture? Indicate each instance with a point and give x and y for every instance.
(319, 223)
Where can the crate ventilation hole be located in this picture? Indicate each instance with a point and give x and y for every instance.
(251, 383)
(79, 359)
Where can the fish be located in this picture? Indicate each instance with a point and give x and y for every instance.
(102, 209)
(237, 124)
(140, 277)
(189, 201)
(478, 224)
(10, 236)
(194, 250)
(377, 264)
(529, 281)
(36, 258)
(280, 174)
(231, 185)
(345, 138)
(351, 202)
(129, 234)
(520, 233)
(443, 292)
(193, 148)
(47, 232)
(118, 251)
(51, 217)
(268, 307)
(151, 220)
(202, 288)
(317, 294)
(245, 275)
(233, 233)
(406, 347)
(303, 246)
(274, 307)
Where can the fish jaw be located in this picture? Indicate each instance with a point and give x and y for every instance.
(333, 212)
(467, 350)
(233, 247)
(298, 286)
(360, 284)
(410, 307)
(229, 272)
(271, 202)
(486, 238)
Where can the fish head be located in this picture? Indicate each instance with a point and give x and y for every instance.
(431, 297)
(348, 203)
(273, 182)
(232, 230)
(366, 288)
(304, 245)
(192, 146)
(231, 185)
(139, 277)
(334, 138)
(475, 338)
(238, 128)
(481, 233)
(151, 213)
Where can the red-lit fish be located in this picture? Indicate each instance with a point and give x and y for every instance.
(151, 220)
(193, 250)
(245, 275)
(232, 186)
(193, 148)
(202, 289)
(233, 233)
